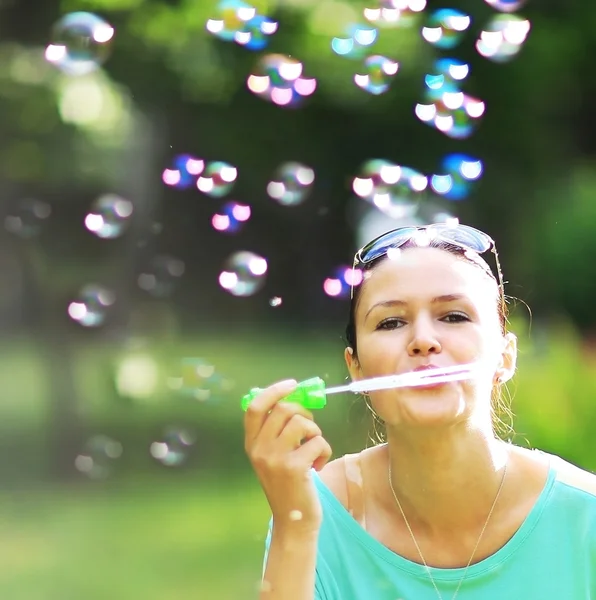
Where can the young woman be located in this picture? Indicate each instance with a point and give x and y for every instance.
(444, 509)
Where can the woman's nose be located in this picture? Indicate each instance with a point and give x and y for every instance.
(424, 341)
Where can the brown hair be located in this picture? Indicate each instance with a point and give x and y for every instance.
(499, 407)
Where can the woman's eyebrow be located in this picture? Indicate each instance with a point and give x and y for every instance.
(436, 300)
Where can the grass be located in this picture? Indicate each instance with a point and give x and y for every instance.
(160, 541)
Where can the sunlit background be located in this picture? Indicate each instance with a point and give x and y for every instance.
(183, 186)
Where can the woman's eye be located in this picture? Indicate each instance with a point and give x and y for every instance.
(456, 318)
(389, 324)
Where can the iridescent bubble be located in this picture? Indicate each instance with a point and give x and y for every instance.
(503, 37)
(80, 43)
(380, 71)
(291, 184)
(340, 284)
(392, 188)
(184, 173)
(239, 22)
(446, 28)
(161, 275)
(279, 79)
(173, 448)
(231, 217)
(91, 306)
(450, 111)
(233, 17)
(394, 13)
(109, 216)
(275, 301)
(446, 70)
(198, 379)
(97, 459)
(217, 179)
(27, 217)
(457, 174)
(506, 5)
(243, 273)
(356, 43)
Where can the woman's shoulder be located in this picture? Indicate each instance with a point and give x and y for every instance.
(573, 475)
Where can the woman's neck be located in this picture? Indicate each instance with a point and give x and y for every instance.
(446, 484)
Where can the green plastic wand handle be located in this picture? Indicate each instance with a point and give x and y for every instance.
(310, 393)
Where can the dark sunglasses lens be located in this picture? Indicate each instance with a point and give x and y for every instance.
(468, 237)
(379, 247)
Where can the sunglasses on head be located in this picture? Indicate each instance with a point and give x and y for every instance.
(462, 236)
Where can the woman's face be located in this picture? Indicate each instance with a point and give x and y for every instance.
(429, 307)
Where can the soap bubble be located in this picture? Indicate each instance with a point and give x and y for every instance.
(392, 188)
(109, 216)
(446, 28)
(161, 275)
(446, 70)
(243, 273)
(239, 22)
(340, 284)
(457, 174)
(27, 217)
(356, 43)
(275, 301)
(80, 43)
(506, 5)
(97, 459)
(217, 179)
(380, 71)
(185, 172)
(291, 184)
(279, 79)
(198, 379)
(450, 111)
(394, 13)
(231, 217)
(173, 448)
(91, 306)
(503, 37)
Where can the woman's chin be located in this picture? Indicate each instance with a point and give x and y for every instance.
(431, 407)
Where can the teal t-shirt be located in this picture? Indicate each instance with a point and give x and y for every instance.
(552, 556)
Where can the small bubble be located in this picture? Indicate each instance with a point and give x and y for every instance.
(80, 43)
(243, 274)
(291, 184)
(184, 172)
(97, 459)
(91, 306)
(506, 5)
(379, 72)
(217, 179)
(198, 379)
(458, 173)
(391, 188)
(446, 28)
(161, 275)
(340, 284)
(231, 217)
(173, 448)
(450, 111)
(275, 301)
(109, 216)
(27, 217)
(503, 37)
(280, 79)
(357, 41)
(395, 13)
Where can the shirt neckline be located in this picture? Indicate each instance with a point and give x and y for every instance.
(442, 574)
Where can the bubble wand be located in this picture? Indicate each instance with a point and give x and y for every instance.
(312, 393)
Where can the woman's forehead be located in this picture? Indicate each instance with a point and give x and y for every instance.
(425, 272)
